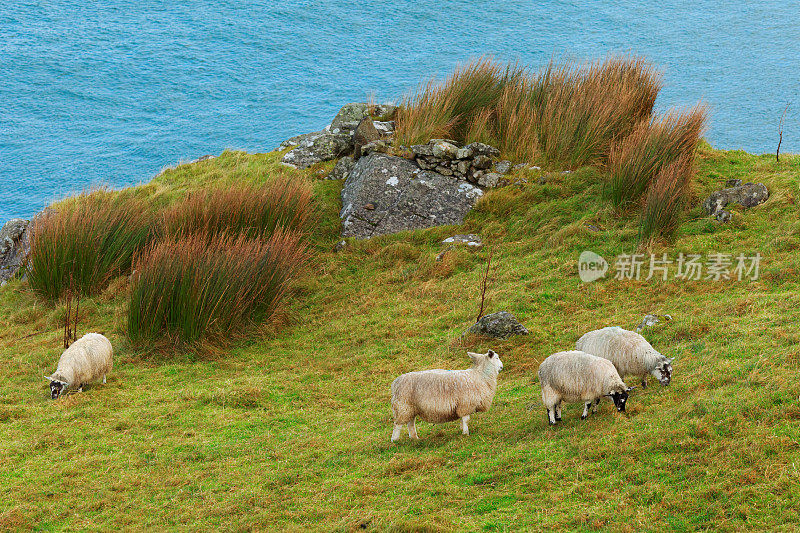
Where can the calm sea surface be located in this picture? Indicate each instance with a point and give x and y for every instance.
(111, 92)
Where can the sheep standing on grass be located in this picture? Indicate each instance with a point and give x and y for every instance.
(87, 359)
(445, 395)
(630, 353)
(579, 377)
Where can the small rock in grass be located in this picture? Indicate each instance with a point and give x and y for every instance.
(500, 325)
(503, 167)
(470, 240)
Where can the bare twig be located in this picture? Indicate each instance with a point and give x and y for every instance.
(71, 321)
(485, 281)
(780, 133)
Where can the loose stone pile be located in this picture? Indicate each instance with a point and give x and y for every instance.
(474, 162)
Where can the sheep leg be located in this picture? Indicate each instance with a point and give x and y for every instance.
(585, 410)
(644, 382)
(104, 379)
(464, 428)
(396, 433)
(412, 429)
(596, 403)
(558, 411)
(80, 389)
(551, 416)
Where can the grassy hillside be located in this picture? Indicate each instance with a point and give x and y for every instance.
(290, 429)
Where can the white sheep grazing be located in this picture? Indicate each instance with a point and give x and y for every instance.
(445, 395)
(87, 359)
(631, 354)
(579, 377)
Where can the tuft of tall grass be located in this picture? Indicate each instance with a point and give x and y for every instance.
(447, 110)
(581, 112)
(564, 114)
(667, 196)
(193, 287)
(80, 245)
(654, 144)
(253, 211)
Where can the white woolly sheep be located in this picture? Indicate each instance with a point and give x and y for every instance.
(445, 395)
(87, 359)
(631, 354)
(579, 377)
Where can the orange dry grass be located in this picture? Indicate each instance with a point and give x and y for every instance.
(667, 196)
(254, 211)
(564, 114)
(651, 146)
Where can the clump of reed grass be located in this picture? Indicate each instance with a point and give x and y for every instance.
(582, 111)
(447, 109)
(80, 245)
(192, 287)
(667, 196)
(564, 115)
(653, 145)
(253, 211)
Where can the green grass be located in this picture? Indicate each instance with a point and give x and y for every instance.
(290, 429)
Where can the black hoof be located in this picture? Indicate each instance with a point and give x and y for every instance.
(558, 419)
(644, 383)
(584, 417)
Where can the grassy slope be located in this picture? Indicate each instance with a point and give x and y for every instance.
(292, 429)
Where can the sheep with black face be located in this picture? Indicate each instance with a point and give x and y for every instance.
(630, 353)
(579, 377)
(445, 395)
(88, 359)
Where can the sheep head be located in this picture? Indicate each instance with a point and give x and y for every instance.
(489, 361)
(663, 371)
(620, 396)
(57, 387)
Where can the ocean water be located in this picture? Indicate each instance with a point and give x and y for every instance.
(111, 92)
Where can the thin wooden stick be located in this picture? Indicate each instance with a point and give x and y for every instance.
(780, 134)
(485, 281)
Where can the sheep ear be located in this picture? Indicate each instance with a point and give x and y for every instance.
(48, 378)
(629, 389)
(670, 360)
(491, 354)
(474, 356)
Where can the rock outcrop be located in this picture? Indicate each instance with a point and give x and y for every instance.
(500, 325)
(337, 139)
(14, 247)
(312, 148)
(385, 194)
(365, 133)
(350, 115)
(747, 195)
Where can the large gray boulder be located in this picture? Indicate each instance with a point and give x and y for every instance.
(500, 325)
(747, 195)
(14, 247)
(385, 194)
(312, 148)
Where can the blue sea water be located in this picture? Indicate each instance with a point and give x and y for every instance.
(110, 92)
